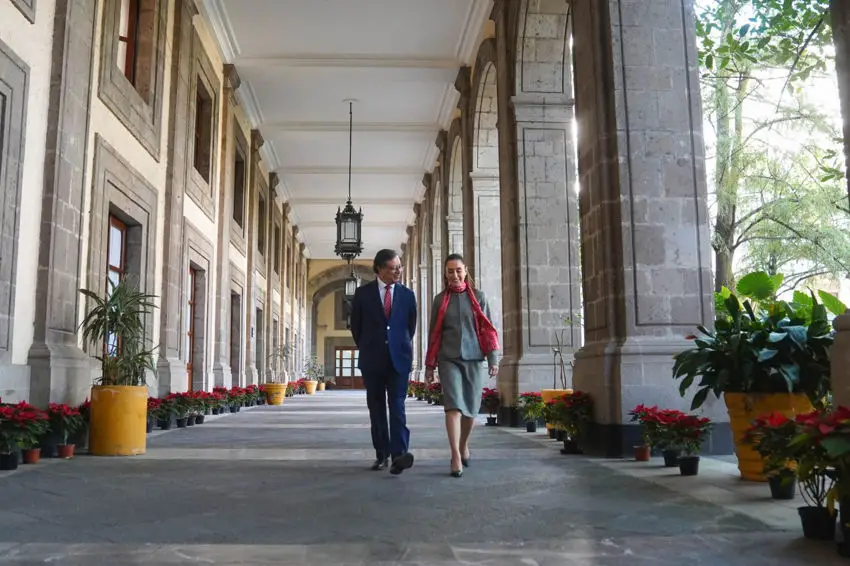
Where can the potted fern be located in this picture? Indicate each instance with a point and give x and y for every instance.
(314, 374)
(115, 326)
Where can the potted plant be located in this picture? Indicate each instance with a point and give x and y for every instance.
(115, 326)
(153, 409)
(531, 407)
(763, 356)
(816, 474)
(275, 385)
(21, 427)
(559, 365)
(770, 436)
(65, 421)
(643, 415)
(492, 403)
(575, 410)
(688, 432)
(314, 376)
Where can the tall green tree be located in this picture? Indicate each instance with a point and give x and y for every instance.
(745, 47)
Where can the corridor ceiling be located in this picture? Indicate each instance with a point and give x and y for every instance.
(298, 61)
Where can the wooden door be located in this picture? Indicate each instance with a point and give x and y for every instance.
(346, 372)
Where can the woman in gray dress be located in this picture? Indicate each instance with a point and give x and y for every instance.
(461, 338)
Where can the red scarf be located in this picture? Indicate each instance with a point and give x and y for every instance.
(488, 337)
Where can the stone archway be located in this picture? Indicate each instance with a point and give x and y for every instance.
(454, 203)
(486, 180)
(326, 283)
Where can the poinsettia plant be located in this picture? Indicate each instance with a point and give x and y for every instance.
(688, 432)
(21, 425)
(531, 405)
(823, 446)
(762, 345)
(575, 410)
(490, 401)
(771, 435)
(64, 420)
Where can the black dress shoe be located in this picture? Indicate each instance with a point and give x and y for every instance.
(401, 463)
(380, 464)
(465, 462)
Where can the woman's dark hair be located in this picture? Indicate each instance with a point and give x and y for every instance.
(382, 258)
(456, 257)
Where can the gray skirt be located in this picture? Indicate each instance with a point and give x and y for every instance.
(462, 383)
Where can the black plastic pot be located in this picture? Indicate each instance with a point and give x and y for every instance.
(571, 447)
(553, 434)
(164, 424)
(491, 421)
(783, 487)
(150, 426)
(689, 465)
(181, 423)
(9, 462)
(561, 435)
(199, 419)
(531, 426)
(818, 523)
(190, 420)
(671, 458)
(233, 408)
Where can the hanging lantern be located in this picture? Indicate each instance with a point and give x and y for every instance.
(349, 222)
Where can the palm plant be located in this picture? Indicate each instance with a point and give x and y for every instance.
(116, 324)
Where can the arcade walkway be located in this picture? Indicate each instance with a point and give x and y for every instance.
(290, 485)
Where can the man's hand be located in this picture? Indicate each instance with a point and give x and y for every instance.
(494, 371)
(429, 376)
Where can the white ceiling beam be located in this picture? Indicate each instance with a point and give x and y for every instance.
(321, 201)
(328, 225)
(351, 61)
(389, 127)
(343, 170)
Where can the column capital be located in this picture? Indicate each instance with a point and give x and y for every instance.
(548, 108)
(274, 181)
(301, 247)
(441, 141)
(484, 181)
(286, 208)
(295, 231)
(426, 180)
(257, 140)
(463, 82)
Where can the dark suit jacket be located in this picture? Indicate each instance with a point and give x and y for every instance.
(376, 336)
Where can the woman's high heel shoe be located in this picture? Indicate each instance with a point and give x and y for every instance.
(465, 462)
(457, 473)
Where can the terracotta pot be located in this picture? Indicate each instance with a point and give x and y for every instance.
(66, 450)
(31, 456)
(642, 453)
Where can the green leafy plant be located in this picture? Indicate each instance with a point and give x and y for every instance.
(762, 345)
(115, 324)
(531, 405)
(314, 371)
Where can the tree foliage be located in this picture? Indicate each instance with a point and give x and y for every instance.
(778, 181)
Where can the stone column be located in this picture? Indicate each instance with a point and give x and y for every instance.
(840, 352)
(171, 367)
(60, 370)
(463, 84)
(487, 241)
(538, 206)
(251, 373)
(292, 303)
(645, 234)
(222, 376)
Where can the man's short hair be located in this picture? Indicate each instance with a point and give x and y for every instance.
(382, 258)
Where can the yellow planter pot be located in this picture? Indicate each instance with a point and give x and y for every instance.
(550, 394)
(118, 420)
(310, 387)
(275, 393)
(744, 408)
(321, 386)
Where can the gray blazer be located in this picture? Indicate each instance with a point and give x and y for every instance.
(460, 342)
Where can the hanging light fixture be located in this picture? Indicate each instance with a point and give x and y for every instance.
(349, 222)
(352, 282)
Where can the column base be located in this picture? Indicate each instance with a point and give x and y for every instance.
(620, 377)
(222, 376)
(172, 376)
(840, 357)
(618, 440)
(59, 373)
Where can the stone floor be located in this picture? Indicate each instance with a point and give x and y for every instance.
(291, 485)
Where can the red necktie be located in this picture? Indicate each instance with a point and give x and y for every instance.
(388, 300)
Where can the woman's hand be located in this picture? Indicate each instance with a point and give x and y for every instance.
(429, 376)
(494, 371)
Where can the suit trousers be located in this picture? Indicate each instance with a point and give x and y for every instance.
(387, 389)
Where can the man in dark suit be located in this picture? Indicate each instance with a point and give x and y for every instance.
(383, 322)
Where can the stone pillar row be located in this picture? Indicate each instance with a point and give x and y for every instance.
(62, 371)
(599, 240)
